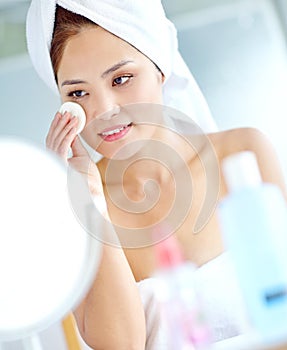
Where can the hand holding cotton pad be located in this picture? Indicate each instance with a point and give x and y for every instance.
(75, 110)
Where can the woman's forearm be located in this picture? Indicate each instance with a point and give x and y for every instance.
(112, 316)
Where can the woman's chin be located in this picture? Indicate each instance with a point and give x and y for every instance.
(125, 152)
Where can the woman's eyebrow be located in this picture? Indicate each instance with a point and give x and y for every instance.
(73, 82)
(115, 67)
(106, 72)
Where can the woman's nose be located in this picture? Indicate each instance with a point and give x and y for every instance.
(111, 113)
(105, 106)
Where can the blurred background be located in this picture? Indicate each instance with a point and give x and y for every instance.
(236, 50)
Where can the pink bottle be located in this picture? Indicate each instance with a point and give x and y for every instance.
(185, 325)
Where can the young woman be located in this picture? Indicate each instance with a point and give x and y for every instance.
(107, 75)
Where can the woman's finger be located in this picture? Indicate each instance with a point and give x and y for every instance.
(60, 123)
(52, 127)
(61, 134)
(64, 146)
(63, 126)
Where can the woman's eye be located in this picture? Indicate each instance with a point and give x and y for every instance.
(77, 94)
(121, 80)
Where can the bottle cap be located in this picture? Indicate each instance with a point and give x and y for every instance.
(241, 170)
(168, 253)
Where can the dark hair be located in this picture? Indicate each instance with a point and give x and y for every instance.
(67, 24)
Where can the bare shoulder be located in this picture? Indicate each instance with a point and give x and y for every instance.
(236, 140)
(232, 141)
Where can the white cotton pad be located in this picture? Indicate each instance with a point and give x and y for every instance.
(76, 110)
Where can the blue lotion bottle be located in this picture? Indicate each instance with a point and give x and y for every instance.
(253, 220)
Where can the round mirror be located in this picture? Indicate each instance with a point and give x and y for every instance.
(47, 260)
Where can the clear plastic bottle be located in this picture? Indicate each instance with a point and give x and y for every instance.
(182, 316)
(253, 220)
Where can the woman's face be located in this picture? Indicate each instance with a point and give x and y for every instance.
(103, 73)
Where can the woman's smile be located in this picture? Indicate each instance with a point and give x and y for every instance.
(115, 133)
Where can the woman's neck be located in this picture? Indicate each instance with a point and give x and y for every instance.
(157, 160)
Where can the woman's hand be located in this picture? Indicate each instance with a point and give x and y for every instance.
(82, 162)
(62, 137)
(61, 134)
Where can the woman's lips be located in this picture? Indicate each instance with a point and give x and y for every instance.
(116, 132)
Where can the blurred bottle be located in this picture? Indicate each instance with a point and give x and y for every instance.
(182, 314)
(253, 219)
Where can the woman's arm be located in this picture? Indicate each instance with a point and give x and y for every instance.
(111, 316)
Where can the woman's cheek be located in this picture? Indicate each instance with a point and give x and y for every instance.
(146, 94)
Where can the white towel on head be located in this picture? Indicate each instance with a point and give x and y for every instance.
(143, 24)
